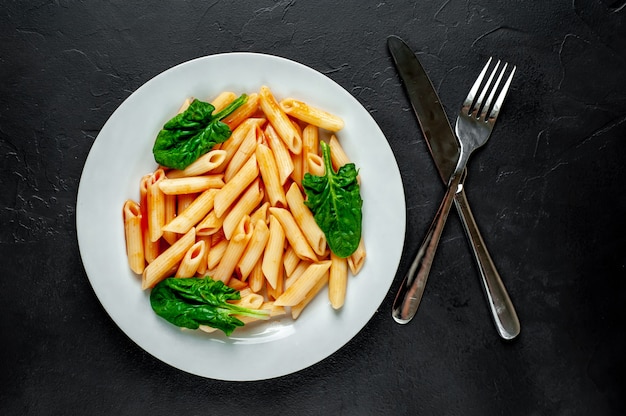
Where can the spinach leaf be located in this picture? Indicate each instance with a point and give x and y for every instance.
(335, 201)
(195, 301)
(192, 133)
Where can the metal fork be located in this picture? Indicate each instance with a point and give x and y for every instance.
(473, 128)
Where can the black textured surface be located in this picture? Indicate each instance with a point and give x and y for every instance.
(547, 191)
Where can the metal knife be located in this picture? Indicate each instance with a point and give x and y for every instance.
(444, 148)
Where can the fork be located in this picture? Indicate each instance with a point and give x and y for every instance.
(473, 127)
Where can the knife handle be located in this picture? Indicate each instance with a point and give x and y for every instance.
(501, 307)
(412, 288)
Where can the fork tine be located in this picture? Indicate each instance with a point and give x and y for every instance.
(496, 107)
(494, 88)
(469, 100)
(479, 103)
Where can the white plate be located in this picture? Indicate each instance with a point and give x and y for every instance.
(122, 153)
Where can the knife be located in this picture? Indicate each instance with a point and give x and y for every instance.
(444, 149)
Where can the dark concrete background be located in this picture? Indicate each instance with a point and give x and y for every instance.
(547, 191)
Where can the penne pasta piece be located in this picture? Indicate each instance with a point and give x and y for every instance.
(282, 156)
(210, 225)
(273, 254)
(279, 120)
(296, 310)
(222, 100)
(166, 261)
(260, 213)
(249, 200)
(294, 234)
(297, 272)
(206, 163)
(216, 253)
(234, 250)
(236, 186)
(191, 260)
(241, 156)
(275, 292)
(310, 145)
(203, 265)
(305, 220)
(250, 301)
(270, 175)
(184, 200)
(156, 206)
(290, 260)
(236, 283)
(245, 111)
(238, 135)
(150, 249)
(194, 213)
(357, 259)
(337, 281)
(297, 292)
(133, 236)
(190, 185)
(312, 115)
(315, 164)
(338, 156)
(256, 279)
(298, 170)
(169, 214)
(254, 249)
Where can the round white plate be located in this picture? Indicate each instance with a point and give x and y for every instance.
(122, 154)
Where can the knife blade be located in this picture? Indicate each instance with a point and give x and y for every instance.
(444, 149)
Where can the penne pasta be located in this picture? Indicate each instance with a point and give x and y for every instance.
(242, 113)
(254, 249)
(357, 259)
(206, 163)
(222, 100)
(311, 115)
(216, 253)
(315, 164)
(296, 310)
(156, 206)
(190, 185)
(169, 215)
(305, 220)
(238, 135)
(284, 163)
(337, 281)
(270, 175)
(236, 186)
(279, 120)
(234, 250)
(166, 261)
(210, 225)
(297, 292)
(273, 254)
(241, 156)
(290, 260)
(293, 233)
(310, 145)
(150, 249)
(256, 279)
(193, 214)
(191, 260)
(249, 200)
(133, 235)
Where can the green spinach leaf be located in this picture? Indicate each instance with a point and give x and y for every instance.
(192, 133)
(335, 201)
(195, 301)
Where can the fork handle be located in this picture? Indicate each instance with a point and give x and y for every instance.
(500, 305)
(412, 288)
